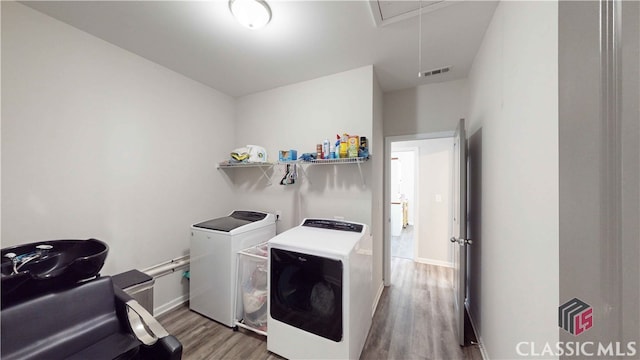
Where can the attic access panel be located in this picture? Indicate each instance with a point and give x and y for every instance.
(389, 11)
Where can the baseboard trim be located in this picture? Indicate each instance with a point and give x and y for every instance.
(433, 262)
(377, 299)
(157, 311)
(483, 351)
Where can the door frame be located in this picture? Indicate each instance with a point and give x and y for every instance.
(386, 261)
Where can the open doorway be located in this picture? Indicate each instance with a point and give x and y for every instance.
(431, 273)
(418, 184)
(403, 200)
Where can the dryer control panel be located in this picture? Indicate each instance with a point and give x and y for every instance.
(333, 225)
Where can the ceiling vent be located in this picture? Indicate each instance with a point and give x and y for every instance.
(436, 71)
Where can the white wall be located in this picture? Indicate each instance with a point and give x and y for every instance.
(425, 109)
(513, 140)
(98, 142)
(433, 223)
(299, 116)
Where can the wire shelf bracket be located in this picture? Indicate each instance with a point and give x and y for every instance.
(264, 167)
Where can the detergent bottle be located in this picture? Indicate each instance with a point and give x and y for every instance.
(343, 145)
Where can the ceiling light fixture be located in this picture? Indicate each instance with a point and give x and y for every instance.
(253, 14)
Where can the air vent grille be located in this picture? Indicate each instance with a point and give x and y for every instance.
(435, 71)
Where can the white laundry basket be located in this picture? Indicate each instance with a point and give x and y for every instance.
(252, 292)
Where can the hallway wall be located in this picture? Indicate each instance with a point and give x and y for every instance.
(513, 149)
(429, 108)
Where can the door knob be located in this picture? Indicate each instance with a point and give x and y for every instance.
(461, 241)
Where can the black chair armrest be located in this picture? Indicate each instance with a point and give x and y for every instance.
(121, 296)
(168, 348)
(157, 343)
(143, 325)
(121, 299)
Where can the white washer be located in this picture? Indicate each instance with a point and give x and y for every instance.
(320, 290)
(212, 270)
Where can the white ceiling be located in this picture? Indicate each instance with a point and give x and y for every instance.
(305, 39)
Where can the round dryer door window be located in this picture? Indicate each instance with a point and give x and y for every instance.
(306, 292)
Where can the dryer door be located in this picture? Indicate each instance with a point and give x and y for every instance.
(306, 292)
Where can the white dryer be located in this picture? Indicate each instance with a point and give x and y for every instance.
(212, 270)
(320, 297)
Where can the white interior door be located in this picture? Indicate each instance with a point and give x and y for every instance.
(459, 240)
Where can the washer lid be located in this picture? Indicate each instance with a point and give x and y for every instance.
(233, 221)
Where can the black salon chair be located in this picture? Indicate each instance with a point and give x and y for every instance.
(88, 320)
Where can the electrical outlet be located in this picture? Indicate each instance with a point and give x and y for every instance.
(278, 214)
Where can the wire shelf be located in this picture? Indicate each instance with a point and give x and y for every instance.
(337, 161)
(229, 165)
(268, 165)
(261, 165)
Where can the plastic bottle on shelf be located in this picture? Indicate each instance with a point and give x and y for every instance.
(325, 149)
(343, 145)
(363, 152)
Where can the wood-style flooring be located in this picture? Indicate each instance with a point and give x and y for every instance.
(414, 320)
(402, 246)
